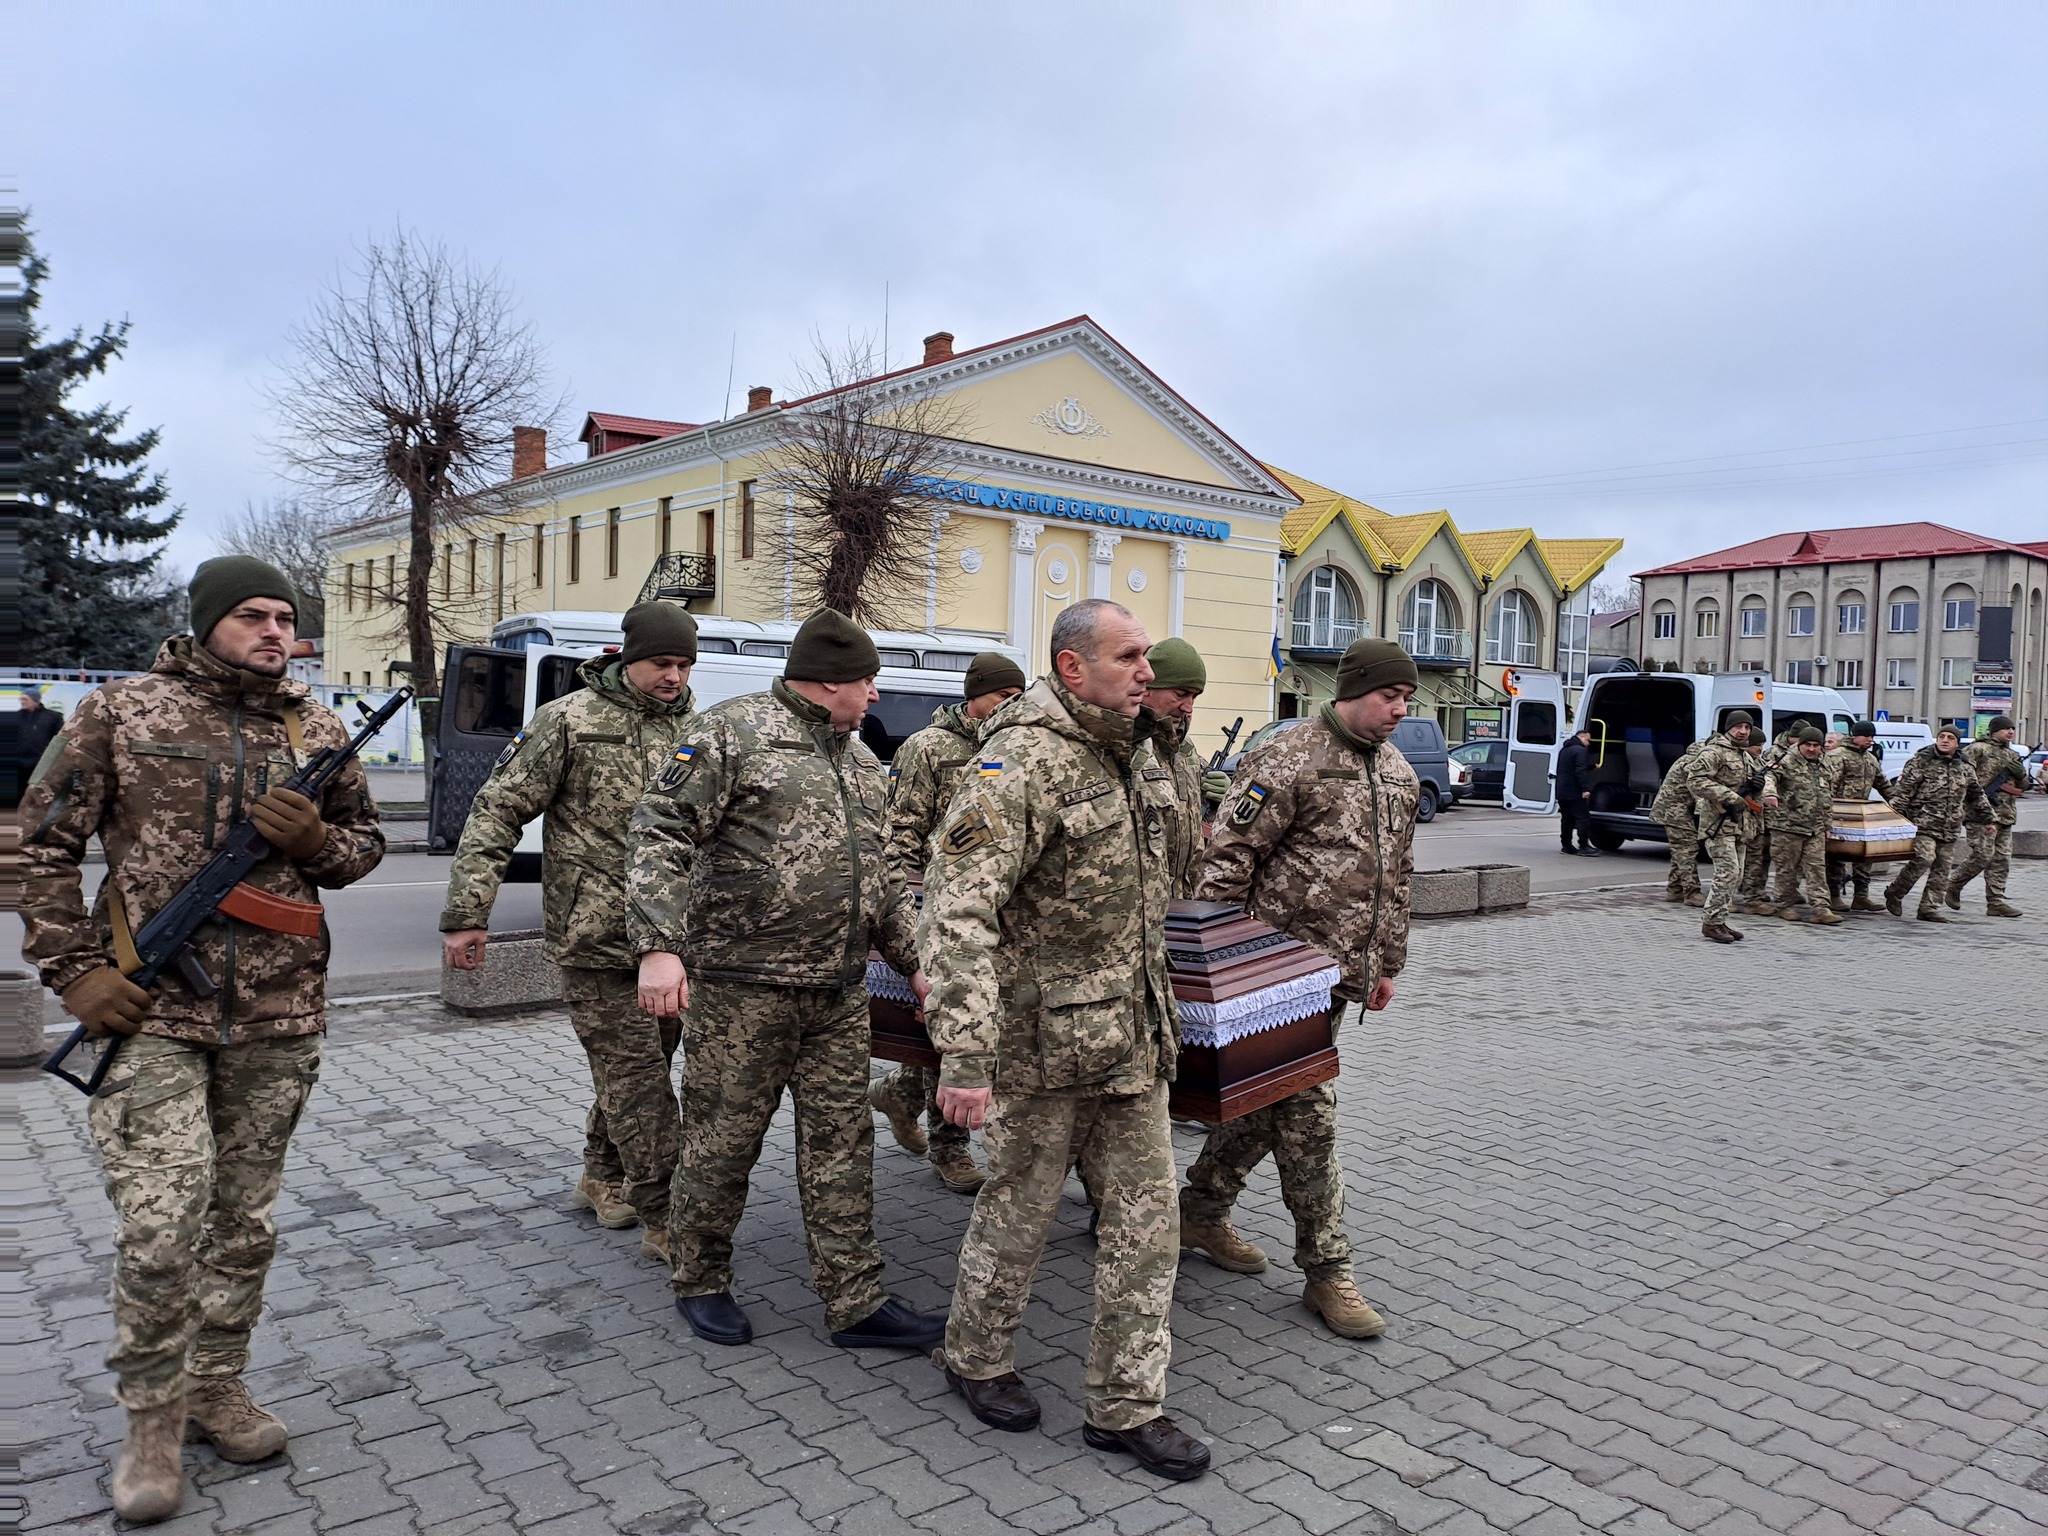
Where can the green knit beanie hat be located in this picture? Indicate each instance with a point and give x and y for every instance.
(1176, 664)
(226, 580)
(831, 648)
(1370, 664)
(1811, 733)
(990, 672)
(655, 628)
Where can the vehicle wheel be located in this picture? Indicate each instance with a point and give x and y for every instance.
(1606, 842)
(1425, 804)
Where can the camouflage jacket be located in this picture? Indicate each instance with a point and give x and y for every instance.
(1805, 792)
(759, 853)
(1987, 759)
(1939, 794)
(1674, 806)
(1044, 928)
(1317, 837)
(581, 765)
(925, 772)
(1718, 774)
(1180, 755)
(1854, 772)
(161, 767)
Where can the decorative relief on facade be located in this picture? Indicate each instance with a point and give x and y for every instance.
(1136, 581)
(1177, 555)
(970, 560)
(1102, 547)
(1056, 571)
(1070, 418)
(1024, 537)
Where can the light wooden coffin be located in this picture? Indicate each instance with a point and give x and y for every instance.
(1868, 831)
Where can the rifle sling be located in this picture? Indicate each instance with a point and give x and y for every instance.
(295, 733)
(279, 914)
(124, 938)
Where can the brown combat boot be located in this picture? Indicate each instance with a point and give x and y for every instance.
(1931, 915)
(1339, 1303)
(607, 1202)
(902, 1118)
(1952, 898)
(1695, 898)
(149, 1477)
(1226, 1250)
(1894, 905)
(1675, 897)
(1863, 903)
(654, 1247)
(220, 1412)
(1998, 906)
(1825, 916)
(954, 1163)
(1720, 933)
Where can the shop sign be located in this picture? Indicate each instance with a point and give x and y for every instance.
(1072, 508)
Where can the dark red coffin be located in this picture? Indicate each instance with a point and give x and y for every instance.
(1254, 1011)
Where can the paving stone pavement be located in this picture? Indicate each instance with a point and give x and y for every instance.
(1673, 1237)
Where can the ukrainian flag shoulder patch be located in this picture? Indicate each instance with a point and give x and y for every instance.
(992, 768)
(1249, 805)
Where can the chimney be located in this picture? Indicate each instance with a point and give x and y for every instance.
(938, 347)
(529, 451)
(759, 396)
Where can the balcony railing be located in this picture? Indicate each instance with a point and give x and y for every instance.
(679, 577)
(1437, 647)
(1329, 637)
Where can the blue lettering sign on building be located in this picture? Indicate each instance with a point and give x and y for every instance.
(1073, 509)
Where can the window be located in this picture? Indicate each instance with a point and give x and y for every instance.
(1706, 623)
(1905, 617)
(348, 585)
(498, 579)
(1574, 635)
(1325, 611)
(1849, 674)
(1664, 625)
(1754, 621)
(540, 549)
(1799, 618)
(1535, 723)
(1799, 671)
(665, 524)
(1429, 618)
(447, 569)
(472, 567)
(1898, 672)
(1511, 630)
(1848, 618)
(391, 580)
(746, 519)
(611, 542)
(1957, 671)
(1959, 613)
(576, 546)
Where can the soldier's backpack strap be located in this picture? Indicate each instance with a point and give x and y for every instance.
(295, 733)
(124, 938)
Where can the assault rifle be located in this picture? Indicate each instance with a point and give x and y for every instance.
(164, 942)
(1216, 763)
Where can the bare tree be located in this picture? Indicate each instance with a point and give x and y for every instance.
(290, 534)
(402, 395)
(856, 461)
(1613, 596)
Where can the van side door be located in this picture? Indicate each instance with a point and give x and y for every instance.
(483, 705)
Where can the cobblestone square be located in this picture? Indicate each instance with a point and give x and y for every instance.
(1672, 1237)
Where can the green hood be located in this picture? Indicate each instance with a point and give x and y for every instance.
(606, 676)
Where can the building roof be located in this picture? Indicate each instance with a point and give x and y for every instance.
(1840, 546)
(632, 426)
(2038, 551)
(1577, 561)
(1616, 619)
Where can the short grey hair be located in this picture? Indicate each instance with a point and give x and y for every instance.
(1079, 627)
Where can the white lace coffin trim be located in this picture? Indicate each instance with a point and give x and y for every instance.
(1897, 832)
(1210, 1024)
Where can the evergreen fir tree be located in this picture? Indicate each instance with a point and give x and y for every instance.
(92, 592)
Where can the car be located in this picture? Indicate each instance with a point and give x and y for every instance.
(2036, 761)
(1485, 764)
(1419, 739)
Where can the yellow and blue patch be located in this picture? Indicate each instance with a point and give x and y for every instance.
(990, 770)
(1249, 805)
(686, 753)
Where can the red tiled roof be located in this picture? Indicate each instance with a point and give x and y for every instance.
(1839, 546)
(632, 426)
(2038, 551)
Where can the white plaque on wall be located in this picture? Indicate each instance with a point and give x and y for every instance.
(970, 560)
(1136, 580)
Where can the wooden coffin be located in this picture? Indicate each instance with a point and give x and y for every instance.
(1868, 831)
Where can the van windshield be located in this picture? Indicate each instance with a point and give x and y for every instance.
(899, 716)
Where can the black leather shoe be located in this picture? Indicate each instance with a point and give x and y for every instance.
(1001, 1402)
(1159, 1445)
(716, 1319)
(892, 1325)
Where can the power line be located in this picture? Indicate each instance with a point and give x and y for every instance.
(1731, 485)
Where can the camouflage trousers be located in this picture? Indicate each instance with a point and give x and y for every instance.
(1126, 1157)
(916, 1089)
(1931, 857)
(1801, 860)
(1684, 878)
(1301, 1134)
(1756, 860)
(632, 1132)
(192, 1142)
(1849, 874)
(1990, 855)
(1725, 849)
(743, 1044)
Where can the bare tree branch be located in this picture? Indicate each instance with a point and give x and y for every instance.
(291, 534)
(1611, 595)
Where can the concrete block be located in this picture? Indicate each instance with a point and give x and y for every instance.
(515, 975)
(1444, 892)
(21, 1019)
(1502, 886)
(2032, 843)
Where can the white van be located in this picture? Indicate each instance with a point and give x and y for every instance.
(1641, 723)
(490, 691)
(1900, 740)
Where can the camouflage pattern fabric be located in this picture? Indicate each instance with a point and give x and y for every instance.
(580, 765)
(1724, 848)
(1126, 1156)
(743, 1044)
(1931, 857)
(1179, 752)
(1940, 794)
(1990, 855)
(1755, 835)
(758, 853)
(1855, 773)
(192, 1140)
(1674, 805)
(914, 1091)
(1300, 1132)
(1317, 838)
(1989, 759)
(161, 767)
(632, 1132)
(1805, 793)
(1801, 860)
(1724, 822)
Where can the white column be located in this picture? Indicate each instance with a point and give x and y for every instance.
(1176, 584)
(1023, 585)
(1101, 555)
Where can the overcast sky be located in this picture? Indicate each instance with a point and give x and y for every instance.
(1414, 251)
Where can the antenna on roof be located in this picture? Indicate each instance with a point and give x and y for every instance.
(731, 362)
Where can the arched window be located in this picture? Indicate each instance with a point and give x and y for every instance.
(1664, 621)
(1429, 622)
(1706, 619)
(1326, 611)
(1850, 614)
(1511, 630)
(1755, 622)
(1800, 614)
(1959, 607)
(1902, 616)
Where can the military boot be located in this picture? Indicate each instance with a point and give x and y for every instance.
(1931, 915)
(1339, 1303)
(953, 1162)
(1695, 898)
(1863, 903)
(1673, 895)
(149, 1477)
(1226, 1250)
(1825, 916)
(1720, 933)
(902, 1118)
(654, 1247)
(220, 1411)
(605, 1201)
(1998, 906)
(1894, 905)
(1952, 898)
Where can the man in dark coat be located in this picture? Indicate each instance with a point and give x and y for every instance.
(1575, 791)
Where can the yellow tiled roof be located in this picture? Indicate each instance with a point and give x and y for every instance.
(1577, 561)
(1492, 550)
(1406, 536)
(1320, 506)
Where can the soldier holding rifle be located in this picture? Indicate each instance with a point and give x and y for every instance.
(2002, 774)
(193, 1118)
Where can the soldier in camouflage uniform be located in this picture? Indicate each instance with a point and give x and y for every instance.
(2002, 774)
(1855, 767)
(1674, 811)
(1719, 775)
(1798, 795)
(1754, 896)
(927, 769)
(1044, 933)
(1179, 678)
(1317, 838)
(581, 765)
(758, 856)
(1938, 792)
(194, 1116)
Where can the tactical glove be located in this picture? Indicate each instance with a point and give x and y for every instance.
(290, 823)
(106, 1002)
(1215, 784)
